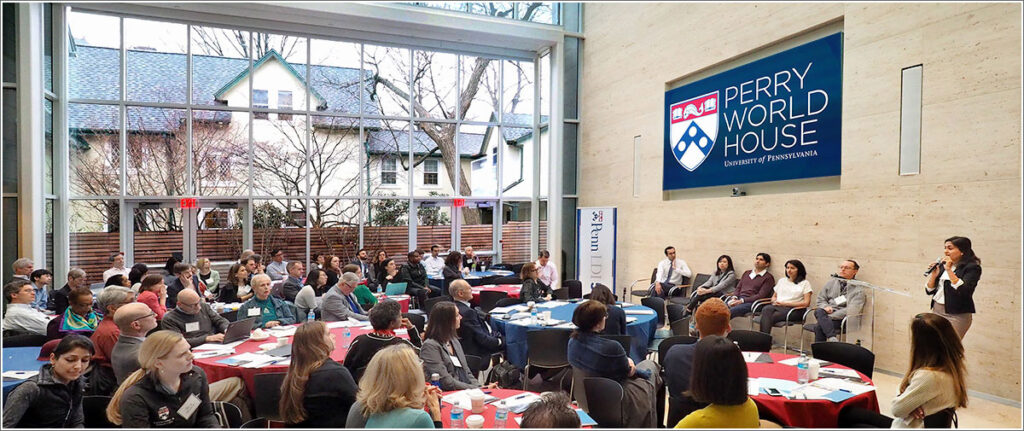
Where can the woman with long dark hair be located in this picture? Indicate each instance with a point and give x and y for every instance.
(723, 282)
(237, 289)
(317, 391)
(616, 322)
(388, 274)
(138, 271)
(952, 282)
(377, 264)
(332, 265)
(442, 344)
(52, 398)
(452, 270)
(305, 300)
(792, 291)
(719, 378)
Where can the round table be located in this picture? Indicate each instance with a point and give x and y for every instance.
(511, 289)
(803, 413)
(20, 359)
(216, 371)
(489, 409)
(475, 278)
(642, 331)
(402, 300)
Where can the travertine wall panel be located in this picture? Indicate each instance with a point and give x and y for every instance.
(893, 225)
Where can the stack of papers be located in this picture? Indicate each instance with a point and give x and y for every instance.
(841, 373)
(218, 346)
(647, 311)
(350, 323)
(551, 304)
(794, 361)
(626, 304)
(758, 357)
(505, 310)
(18, 375)
(566, 325)
(843, 385)
(519, 403)
(212, 353)
(251, 360)
(283, 331)
(630, 319)
(463, 398)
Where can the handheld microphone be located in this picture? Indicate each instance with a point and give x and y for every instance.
(934, 265)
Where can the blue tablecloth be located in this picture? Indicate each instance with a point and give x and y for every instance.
(20, 359)
(642, 331)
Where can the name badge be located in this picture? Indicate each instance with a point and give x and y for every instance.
(455, 361)
(253, 312)
(189, 406)
(841, 299)
(191, 326)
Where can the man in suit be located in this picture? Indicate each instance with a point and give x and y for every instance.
(134, 320)
(415, 274)
(339, 303)
(836, 300)
(293, 284)
(363, 262)
(476, 337)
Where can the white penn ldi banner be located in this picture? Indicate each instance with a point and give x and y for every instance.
(595, 247)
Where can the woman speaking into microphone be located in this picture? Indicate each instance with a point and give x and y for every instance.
(951, 283)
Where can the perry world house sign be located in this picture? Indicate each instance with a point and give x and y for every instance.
(777, 118)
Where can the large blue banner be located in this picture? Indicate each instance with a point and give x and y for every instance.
(777, 118)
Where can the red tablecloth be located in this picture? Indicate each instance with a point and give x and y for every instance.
(489, 409)
(511, 289)
(803, 413)
(216, 371)
(402, 300)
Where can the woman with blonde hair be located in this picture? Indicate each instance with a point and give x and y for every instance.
(393, 391)
(208, 276)
(168, 391)
(317, 391)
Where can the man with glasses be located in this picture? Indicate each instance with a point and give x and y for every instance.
(135, 320)
(195, 320)
(277, 270)
(20, 315)
(836, 301)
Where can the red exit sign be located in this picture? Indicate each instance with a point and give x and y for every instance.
(187, 203)
(459, 203)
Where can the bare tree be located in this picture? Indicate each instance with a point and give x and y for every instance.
(235, 43)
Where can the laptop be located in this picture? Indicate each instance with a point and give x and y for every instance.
(239, 330)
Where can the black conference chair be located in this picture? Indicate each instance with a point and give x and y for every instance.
(269, 386)
(418, 320)
(489, 299)
(508, 280)
(257, 423)
(850, 355)
(431, 302)
(547, 348)
(943, 419)
(560, 294)
(675, 312)
(672, 341)
(681, 326)
(474, 363)
(658, 305)
(94, 410)
(605, 401)
(688, 290)
(229, 415)
(751, 341)
(23, 340)
(508, 301)
(573, 288)
(791, 316)
(645, 287)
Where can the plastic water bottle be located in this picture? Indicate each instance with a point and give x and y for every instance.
(435, 379)
(457, 421)
(347, 340)
(803, 369)
(533, 316)
(501, 415)
(311, 316)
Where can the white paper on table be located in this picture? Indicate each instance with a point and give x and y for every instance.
(502, 310)
(566, 325)
(260, 360)
(551, 304)
(809, 392)
(283, 331)
(795, 361)
(647, 311)
(349, 323)
(753, 386)
(832, 384)
(519, 403)
(846, 372)
(212, 353)
(751, 356)
(781, 385)
(627, 304)
(463, 398)
(16, 374)
(631, 319)
(218, 346)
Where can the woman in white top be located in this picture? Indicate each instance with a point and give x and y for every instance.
(791, 292)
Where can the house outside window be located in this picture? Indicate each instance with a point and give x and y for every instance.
(389, 171)
(260, 101)
(284, 101)
(430, 172)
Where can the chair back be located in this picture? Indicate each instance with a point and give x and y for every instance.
(751, 341)
(516, 268)
(675, 311)
(507, 301)
(678, 408)
(698, 280)
(94, 410)
(850, 355)
(474, 363)
(229, 415)
(418, 320)
(548, 348)
(489, 299)
(672, 341)
(624, 340)
(576, 390)
(654, 274)
(256, 423)
(508, 280)
(681, 326)
(942, 419)
(658, 305)
(396, 288)
(562, 294)
(23, 340)
(269, 386)
(604, 397)
(574, 288)
(431, 302)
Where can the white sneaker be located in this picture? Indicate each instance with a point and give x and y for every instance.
(832, 339)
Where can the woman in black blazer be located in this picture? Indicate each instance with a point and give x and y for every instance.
(616, 323)
(452, 270)
(952, 282)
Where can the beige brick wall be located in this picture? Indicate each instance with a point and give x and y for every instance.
(970, 181)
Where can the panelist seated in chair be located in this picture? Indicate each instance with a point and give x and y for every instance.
(477, 338)
(670, 274)
(791, 292)
(754, 284)
(195, 320)
(836, 301)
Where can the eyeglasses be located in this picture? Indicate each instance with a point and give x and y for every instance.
(151, 314)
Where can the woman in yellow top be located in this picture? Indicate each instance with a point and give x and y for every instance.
(720, 379)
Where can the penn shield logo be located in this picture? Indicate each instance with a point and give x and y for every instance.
(693, 129)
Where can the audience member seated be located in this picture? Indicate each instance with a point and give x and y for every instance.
(385, 317)
(293, 284)
(20, 315)
(22, 268)
(184, 279)
(434, 263)
(362, 293)
(317, 391)
(117, 259)
(139, 270)
(669, 275)
(117, 280)
(59, 298)
(377, 266)
(720, 379)
(195, 320)
(79, 318)
(754, 284)
(305, 300)
(134, 321)
(451, 271)
(791, 292)
(935, 380)
(362, 260)
(442, 352)
(167, 391)
(105, 338)
(602, 357)
(552, 411)
(712, 318)
(339, 303)
(723, 282)
(469, 259)
(52, 398)
(394, 394)
(237, 288)
(836, 301)
(208, 276)
(616, 323)
(268, 310)
(277, 268)
(547, 271)
(333, 268)
(532, 289)
(41, 279)
(477, 337)
(389, 274)
(153, 293)
(415, 274)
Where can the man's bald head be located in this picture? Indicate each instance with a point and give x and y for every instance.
(461, 290)
(132, 319)
(188, 295)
